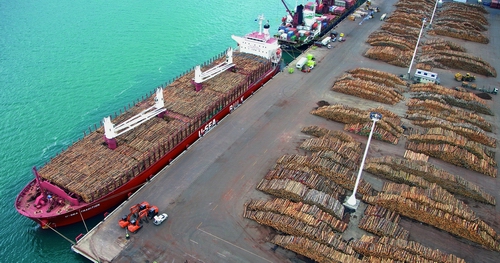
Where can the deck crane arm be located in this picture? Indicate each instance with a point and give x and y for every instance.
(287, 9)
(111, 131)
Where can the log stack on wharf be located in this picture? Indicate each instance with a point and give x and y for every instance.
(411, 155)
(316, 250)
(357, 121)
(462, 21)
(386, 249)
(371, 85)
(382, 222)
(90, 170)
(436, 207)
(453, 183)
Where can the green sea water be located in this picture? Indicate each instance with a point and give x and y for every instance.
(64, 65)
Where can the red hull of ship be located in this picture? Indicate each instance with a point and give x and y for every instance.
(119, 195)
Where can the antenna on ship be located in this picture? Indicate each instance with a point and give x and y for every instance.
(112, 131)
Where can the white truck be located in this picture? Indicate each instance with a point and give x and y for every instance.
(158, 219)
(424, 76)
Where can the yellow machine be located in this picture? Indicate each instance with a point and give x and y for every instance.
(466, 77)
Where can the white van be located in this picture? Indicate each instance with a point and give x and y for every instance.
(301, 63)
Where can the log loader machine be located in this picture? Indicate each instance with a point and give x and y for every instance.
(466, 77)
(134, 211)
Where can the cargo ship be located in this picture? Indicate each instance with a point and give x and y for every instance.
(308, 23)
(110, 163)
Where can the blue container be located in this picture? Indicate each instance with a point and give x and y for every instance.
(290, 33)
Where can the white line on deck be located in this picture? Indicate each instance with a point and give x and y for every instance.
(193, 241)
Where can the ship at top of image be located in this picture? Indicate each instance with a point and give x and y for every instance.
(108, 164)
(309, 22)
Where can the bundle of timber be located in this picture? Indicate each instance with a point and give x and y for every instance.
(424, 66)
(296, 227)
(338, 173)
(368, 90)
(401, 250)
(446, 112)
(309, 214)
(456, 98)
(347, 150)
(316, 250)
(310, 179)
(299, 192)
(382, 222)
(398, 176)
(341, 156)
(382, 38)
(456, 59)
(437, 208)
(377, 73)
(380, 80)
(407, 19)
(443, 136)
(454, 155)
(420, 5)
(350, 115)
(453, 183)
(391, 55)
(415, 156)
(401, 30)
(317, 131)
(365, 129)
(472, 14)
(441, 44)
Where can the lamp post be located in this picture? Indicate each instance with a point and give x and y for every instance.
(433, 12)
(416, 46)
(352, 202)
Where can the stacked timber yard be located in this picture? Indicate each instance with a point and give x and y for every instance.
(444, 180)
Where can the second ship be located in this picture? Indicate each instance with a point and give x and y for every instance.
(101, 170)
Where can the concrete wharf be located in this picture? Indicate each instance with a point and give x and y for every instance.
(205, 188)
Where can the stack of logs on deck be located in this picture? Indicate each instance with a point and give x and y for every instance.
(453, 148)
(386, 249)
(465, 100)
(462, 21)
(317, 250)
(382, 222)
(358, 121)
(436, 207)
(409, 171)
(371, 85)
(458, 60)
(306, 213)
(336, 172)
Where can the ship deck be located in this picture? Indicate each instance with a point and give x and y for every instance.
(204, 189)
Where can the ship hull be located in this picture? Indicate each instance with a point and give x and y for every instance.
(114, 198)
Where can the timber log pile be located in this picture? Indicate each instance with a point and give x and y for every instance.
(438, 208)
(411, 155)
(298, 192)
(441, 44)
(400, 250)
(459, 60)
(326, 167)
(394, 42)
(465, 100)
(371, 85)
(383, 222)
(345, 153)
(310, 179)
(317, 131)
(449, 146)
(453, 183)
(462, 21)
(388, 129)
(316, 250)
(379, 76)
(309, 214)
(90, 170)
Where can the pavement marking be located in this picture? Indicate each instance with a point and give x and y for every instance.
(243, 176)
(222, 255)
(215, 207)
(199, 225)
(212, 235)
(193, 241)
(254, 163)
(195, 257)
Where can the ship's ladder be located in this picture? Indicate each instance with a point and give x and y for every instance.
(200, 77)
(112, 131)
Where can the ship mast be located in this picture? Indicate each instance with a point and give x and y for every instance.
(112, 131)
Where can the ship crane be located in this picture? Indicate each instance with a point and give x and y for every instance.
(200, 77)
(111, 131)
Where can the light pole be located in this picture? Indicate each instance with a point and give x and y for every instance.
(351, 202)
(416, 46)
(433, 12)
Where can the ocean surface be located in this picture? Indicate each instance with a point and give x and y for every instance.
(64, 66)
